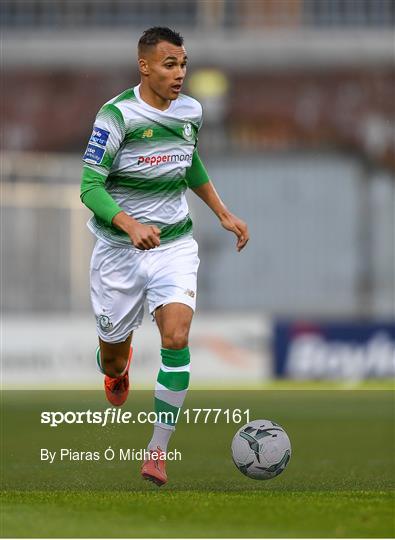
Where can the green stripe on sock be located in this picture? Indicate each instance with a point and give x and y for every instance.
(175, 380)
(175, 357)
(163, 407)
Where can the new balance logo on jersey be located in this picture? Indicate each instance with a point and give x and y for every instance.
(157, 160)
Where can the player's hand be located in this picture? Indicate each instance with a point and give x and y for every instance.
(142, 236)
(145, 236)
(236, 225)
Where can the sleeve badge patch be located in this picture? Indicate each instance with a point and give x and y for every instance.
(99, 136)
(94, 154)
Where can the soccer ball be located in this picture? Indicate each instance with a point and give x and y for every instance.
(261, 449)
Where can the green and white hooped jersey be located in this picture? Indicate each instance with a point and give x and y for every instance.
(141, 155)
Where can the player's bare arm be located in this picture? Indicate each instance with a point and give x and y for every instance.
(229, 221)
(142, 236)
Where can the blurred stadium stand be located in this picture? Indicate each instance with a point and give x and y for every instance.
(199, 14)
(298, 137)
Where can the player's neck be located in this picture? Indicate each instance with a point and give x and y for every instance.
(152, 98)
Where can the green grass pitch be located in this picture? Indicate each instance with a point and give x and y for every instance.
(339, 482)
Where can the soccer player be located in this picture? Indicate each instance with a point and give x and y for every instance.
(141, 158)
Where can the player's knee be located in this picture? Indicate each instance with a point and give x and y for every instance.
(175, 340)
(113, 365)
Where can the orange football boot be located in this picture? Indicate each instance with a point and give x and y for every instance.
(155, 469)
(117, 389)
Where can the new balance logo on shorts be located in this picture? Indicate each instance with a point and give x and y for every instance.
(190, 293)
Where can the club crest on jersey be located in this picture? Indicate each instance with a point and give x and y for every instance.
(187, 131)
(148, 133)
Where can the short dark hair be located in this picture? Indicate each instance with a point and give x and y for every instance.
(156, 34)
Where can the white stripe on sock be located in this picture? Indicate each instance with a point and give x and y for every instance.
(170, 396)
(174, 369)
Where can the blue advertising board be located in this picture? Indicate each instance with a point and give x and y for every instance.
(334, 350)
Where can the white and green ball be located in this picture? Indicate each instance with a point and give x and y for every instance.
(261, 449)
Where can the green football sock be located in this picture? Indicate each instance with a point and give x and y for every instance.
(170, 391)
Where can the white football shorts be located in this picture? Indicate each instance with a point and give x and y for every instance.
(123, 278)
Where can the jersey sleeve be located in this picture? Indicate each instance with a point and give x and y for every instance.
(196, 175)
(107, 136)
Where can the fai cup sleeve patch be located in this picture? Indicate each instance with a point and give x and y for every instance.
(93, 154)
(99, 136)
